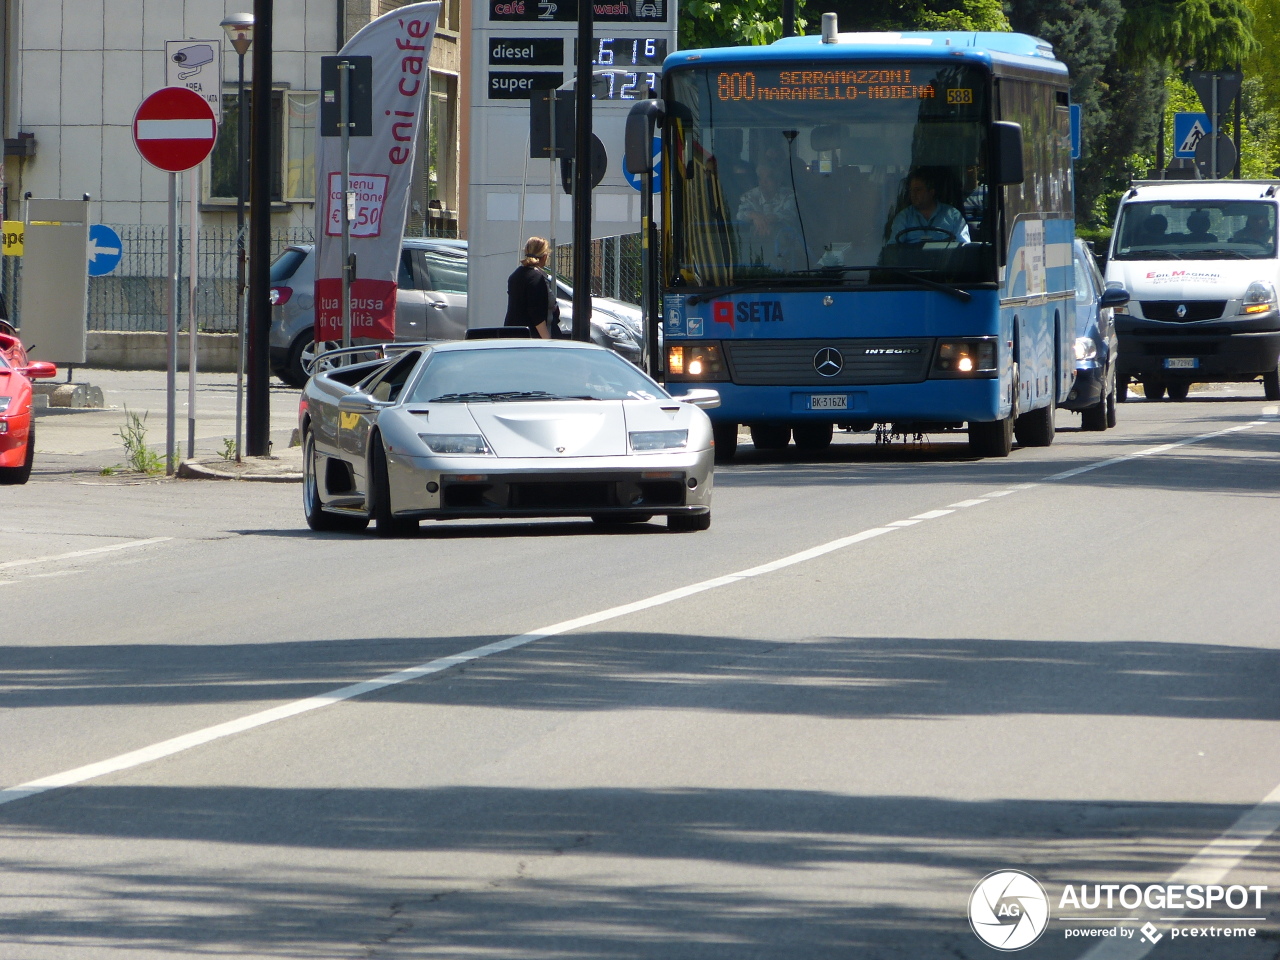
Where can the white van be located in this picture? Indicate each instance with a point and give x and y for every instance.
(1198, 258)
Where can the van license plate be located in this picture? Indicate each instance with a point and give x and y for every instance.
(828, 401)
(1181, 363)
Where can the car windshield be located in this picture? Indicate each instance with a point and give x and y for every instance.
(531, 373)
(1197, 230)
(4, 364)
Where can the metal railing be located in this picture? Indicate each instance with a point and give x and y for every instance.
(132, 297)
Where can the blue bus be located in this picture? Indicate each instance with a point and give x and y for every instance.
(863, 229)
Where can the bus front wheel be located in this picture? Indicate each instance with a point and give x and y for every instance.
(991, 439)
(770, 436)
(1035, 428)
(726, 439)
(812, 437)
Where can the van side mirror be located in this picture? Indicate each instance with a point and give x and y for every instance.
(1008, 144)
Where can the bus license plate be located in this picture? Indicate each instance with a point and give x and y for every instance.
(828, 401)
(1181, 363)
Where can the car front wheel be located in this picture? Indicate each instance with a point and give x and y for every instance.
(386, 523)
(689, 522)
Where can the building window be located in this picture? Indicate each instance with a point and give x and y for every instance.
(293, 161)
(442, 182)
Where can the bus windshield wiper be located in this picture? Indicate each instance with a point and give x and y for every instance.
(964, 296)
(717, 292)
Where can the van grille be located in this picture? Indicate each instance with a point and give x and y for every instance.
(1196, 310)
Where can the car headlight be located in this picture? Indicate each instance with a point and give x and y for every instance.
(702, 361)
(4, 403)
(974, 357)
(457, 443)
(1085, 348)
(646, 440)
(1260, 297)
(616, 331)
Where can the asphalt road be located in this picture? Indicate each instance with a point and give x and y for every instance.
(809, 732)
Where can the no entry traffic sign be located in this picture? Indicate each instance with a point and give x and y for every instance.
(174, 129)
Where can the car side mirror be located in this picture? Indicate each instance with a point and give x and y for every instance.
(1114, 297)
(702, 398)
(39, 370)
(359, 403)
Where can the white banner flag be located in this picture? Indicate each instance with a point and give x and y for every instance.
(381, 173)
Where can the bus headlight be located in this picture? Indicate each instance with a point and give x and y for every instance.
(971, 357)
(695, 361)
(1260, 297)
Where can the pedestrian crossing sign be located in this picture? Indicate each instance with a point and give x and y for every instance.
(1188, 130)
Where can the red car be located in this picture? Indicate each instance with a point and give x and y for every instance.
(17, 425)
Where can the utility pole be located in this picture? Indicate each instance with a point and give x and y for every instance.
(258, 394)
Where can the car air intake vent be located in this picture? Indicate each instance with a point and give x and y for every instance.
(1191, 310)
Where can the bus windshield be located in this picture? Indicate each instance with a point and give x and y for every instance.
(804, 173)
(1197, 230)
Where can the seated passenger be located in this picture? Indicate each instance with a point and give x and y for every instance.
(768, 211)
(1257, 229)
(1198, 228)
(1151, 231)
(927, 219)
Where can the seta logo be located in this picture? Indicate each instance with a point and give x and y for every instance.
(759, 311)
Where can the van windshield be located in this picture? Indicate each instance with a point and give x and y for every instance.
(1197, 230)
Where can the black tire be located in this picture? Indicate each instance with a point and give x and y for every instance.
(1271, 383)
(813, 437)
(991, 439)
(1094, 418)
(770, 436)
(726, 438)
(317, 518)
(1153, 389)
(620, 519)
(15, 476)
(386, 523)
(1111, 409)
(1178, 391)
(293, 374)
(1035, 428)
(689, 522)
(1122, 389)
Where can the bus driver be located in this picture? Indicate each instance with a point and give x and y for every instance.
(926, 218)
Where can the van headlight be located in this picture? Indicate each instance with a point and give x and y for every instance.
(456, 443)
(1260, 297)
(1085, 348)
(644, 441)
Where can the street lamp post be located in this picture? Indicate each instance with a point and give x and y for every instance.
(239, 28)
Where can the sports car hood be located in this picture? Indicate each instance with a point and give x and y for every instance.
(559, 428)
(1189, 279)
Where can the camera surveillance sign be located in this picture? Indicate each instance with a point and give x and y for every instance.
(196, 65)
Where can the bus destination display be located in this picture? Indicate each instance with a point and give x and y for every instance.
(902, 83)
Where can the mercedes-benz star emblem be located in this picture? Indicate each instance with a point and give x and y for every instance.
(1182, 310)
(828, 362)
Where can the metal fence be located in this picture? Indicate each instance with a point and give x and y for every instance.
(132, 297)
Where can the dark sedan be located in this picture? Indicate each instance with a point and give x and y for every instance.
(1096, 347)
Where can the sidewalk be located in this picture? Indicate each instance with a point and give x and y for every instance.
(78, 441)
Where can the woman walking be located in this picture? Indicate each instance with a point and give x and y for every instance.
(531, 298)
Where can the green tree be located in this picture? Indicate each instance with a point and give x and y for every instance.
(733, 23)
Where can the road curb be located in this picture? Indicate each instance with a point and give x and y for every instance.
(259, 470)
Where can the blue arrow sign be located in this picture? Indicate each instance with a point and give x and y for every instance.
(637, 180)
(1188, 130)
(105, 250)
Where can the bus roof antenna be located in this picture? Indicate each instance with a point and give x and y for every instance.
(830, 32)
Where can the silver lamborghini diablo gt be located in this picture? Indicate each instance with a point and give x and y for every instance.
(501, 428)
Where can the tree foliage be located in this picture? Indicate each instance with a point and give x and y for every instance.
(733, 23)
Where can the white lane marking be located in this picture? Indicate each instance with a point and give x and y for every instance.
(932, 514)
(199, 737)
(998, 493)
(83, 553)
(1211, 865)
(1148, 452)
(968, 503)
(902, 523)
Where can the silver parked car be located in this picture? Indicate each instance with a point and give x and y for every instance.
(431, 304)
(501, 428)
